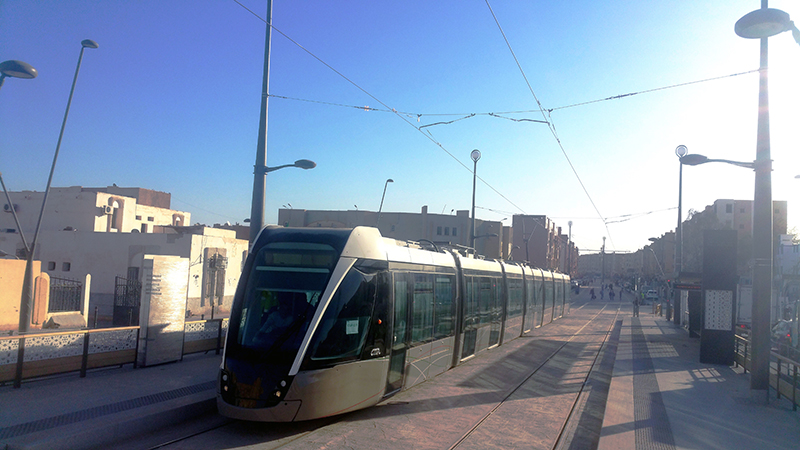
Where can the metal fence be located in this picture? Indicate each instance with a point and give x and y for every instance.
(65, 295)
(41, 354)
(784, 369)
(127, 294)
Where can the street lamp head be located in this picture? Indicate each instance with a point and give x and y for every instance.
(762, 23)
(88, 43)
(475, 155)
(305, 164)
(17, 69)
(390, 180)
(694, 160)
(681, 151)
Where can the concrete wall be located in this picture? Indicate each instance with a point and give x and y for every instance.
(439, 228)
(108, 255)
(12, 272)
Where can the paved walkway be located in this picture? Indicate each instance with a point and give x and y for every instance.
(660, 397)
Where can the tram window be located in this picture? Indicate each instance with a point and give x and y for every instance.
(497, 304)
(400, 309)
(444, 319)
(485, 299)
(422, 328)
(293, 274)
(343, 328)
(515, 297)
(471, 302)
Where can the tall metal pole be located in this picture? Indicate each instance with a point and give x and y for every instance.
(380, 209)
(260, 167)
(603, 265)
(475, 155)
(569, 250)
(762, 238)
(681, 151)
(26, 302)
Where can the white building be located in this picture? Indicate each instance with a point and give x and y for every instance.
(105, 233)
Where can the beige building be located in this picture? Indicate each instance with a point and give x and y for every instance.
(451, 229)
(106, 232)
(547, 247)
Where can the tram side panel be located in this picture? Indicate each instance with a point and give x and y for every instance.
(514, 303)
(430, 299)
(558, 283)
(481, 305)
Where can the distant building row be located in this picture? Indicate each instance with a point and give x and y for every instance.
(657, 260)
(103, 234)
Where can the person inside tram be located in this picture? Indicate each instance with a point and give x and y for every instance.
(276, 319)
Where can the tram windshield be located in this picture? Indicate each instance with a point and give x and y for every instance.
(283, 290)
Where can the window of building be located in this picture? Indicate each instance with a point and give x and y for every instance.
(447, 231)
(729, 208)
(151, 219)
(138, 217)
(144, 228)
(65, 267)
(455, 231)
(51, 265)
(438, 231)
(392, 227)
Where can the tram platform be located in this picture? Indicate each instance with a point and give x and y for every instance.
(658, 396)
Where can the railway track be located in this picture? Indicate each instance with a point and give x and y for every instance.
(533, 392)
(572, 417)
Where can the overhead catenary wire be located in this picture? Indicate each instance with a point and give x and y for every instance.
(500, 114)
(397, 113)
(548, 120)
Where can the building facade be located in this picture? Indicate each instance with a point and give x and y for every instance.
(106, 233)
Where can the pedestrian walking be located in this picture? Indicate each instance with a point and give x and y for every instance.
(635, 307)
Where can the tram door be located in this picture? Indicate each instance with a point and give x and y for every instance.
(397, 359)
(471, 319)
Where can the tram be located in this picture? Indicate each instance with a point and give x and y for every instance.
(328, 321)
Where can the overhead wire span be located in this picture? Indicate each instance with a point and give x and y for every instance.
(548, 119)
(529, 111)
(425, 133)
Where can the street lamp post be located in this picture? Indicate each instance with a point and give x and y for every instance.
(680, 151)
(475, 155)
(569, 250)
(26, 301)
(259, 172)
(603, 265)
(761, 24)
(27, 282)
(380, 209)
(16, 69)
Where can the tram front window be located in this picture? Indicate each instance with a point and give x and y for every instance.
(283, 290)
(343, 329)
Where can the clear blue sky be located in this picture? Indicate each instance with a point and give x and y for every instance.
(170, 101)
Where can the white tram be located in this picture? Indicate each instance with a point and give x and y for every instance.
(327, 321)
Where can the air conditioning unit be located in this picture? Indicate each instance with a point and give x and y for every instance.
(107, 209)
